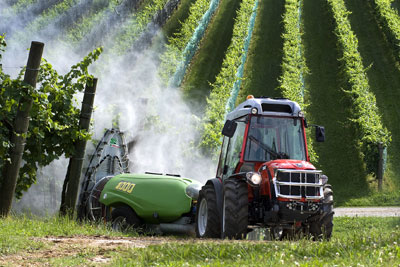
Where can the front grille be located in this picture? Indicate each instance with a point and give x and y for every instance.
(297, 184)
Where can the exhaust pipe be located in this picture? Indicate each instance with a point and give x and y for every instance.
(193, 190)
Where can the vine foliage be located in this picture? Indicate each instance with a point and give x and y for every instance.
(221, 88)
(174, 52)
(53, 125)
(294, 65)
(389, 20)
(365, 111)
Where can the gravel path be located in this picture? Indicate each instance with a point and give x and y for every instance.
(368, 211)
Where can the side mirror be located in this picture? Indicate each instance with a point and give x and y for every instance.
(229, 128)
(320, 133)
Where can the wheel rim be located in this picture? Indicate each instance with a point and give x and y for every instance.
(119, 224)
(202, 217)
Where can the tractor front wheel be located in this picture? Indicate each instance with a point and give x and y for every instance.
(124, 219)
(207, 216)
(324, 226)
(235, 209)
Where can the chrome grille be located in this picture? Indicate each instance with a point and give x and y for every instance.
(297, 184)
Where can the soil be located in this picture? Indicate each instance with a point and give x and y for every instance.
(61, 246)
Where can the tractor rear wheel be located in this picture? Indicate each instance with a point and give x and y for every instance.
(124, 219)
(208, 223)
(235, 209)
(322, 229)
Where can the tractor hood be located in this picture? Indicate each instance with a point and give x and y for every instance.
(288, 164)
(294, 180)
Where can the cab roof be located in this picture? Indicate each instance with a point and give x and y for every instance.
(266, 106)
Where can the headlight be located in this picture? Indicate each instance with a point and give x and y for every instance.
(254, 111)
(253, 178)
(323, 179)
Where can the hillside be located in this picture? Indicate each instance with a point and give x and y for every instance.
(216, 48)
(323, 82)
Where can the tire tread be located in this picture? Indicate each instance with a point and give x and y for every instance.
(236, 209)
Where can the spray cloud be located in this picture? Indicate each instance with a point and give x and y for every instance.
(165, 130)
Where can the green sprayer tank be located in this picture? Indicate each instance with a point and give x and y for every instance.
(154, 198)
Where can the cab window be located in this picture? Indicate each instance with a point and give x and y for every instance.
(222, 157)
(271, 138)
(235, 147)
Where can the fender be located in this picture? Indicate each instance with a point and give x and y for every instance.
(239, 175)
(219, 194)
(217, 184)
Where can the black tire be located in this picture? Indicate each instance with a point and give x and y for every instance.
(289, 234)
(235, 209)
(279, 233)
(328, 199)
(322, 229)
(276, 233)
(208, 222)
(124, 219)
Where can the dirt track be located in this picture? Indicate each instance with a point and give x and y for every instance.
(368, 211)
(63, 246)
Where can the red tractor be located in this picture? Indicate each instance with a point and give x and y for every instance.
(264, 177)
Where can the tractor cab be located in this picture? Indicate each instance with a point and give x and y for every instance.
(263, 130)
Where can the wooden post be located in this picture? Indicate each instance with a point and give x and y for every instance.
(71, 182)
(380, 166)
(21, 124)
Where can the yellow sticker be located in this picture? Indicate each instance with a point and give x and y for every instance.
(125, 187)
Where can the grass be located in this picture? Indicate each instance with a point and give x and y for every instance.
(263, 65)
(339, 156)
(207, 62)
(396, 5)
(174, 23)
(15, 232)
(21, 8)
(171, 26)
(365, 241)
(384, 80)
(375, 199)
(82, 25)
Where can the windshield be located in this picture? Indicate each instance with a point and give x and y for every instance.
(271, 138)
